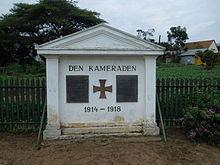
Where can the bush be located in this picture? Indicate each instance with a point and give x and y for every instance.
(208, 99)
(202, 123)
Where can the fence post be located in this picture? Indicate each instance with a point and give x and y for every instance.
(171, 100)
(1, 104)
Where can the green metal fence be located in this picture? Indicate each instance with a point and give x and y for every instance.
(21, 101)
(177, 94)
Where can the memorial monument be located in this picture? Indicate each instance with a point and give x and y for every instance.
(100, 81)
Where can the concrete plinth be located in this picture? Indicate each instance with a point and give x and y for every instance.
(151, 129)
(54, 132)
(51, 132)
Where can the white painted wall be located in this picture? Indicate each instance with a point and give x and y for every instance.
(150, 88)
(52, 69)
(131, 113)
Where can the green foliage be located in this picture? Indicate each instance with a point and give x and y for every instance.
(177, 36)
(168, 46)
(169, 65)
(202, 123)
(15, 70)
(30, 24)
(146, 35)
(175, 70)
(208, 57)
(208, 99)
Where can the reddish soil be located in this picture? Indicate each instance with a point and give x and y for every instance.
(18, 149)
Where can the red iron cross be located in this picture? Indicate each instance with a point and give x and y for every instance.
(102, 89)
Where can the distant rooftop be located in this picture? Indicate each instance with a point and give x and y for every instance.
(198, 44)
(192, 52)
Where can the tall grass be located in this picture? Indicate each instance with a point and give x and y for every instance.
(172, 70)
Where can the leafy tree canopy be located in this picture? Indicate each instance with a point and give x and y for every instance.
(208, 57)
(177, 36)
(146, 35)
(168, 46)
(30, 24)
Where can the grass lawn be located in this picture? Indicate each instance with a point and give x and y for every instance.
(174, 70)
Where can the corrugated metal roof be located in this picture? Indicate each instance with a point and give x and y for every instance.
(192, 52)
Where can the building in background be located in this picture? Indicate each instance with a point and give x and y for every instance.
(218, 58)
(190, 48)
(218, 46)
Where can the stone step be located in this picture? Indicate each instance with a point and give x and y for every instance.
(74, 136)
(101, 130)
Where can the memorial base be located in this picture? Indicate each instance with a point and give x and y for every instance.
(151, 128)
(52, 132)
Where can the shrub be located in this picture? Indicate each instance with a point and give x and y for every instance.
(208, 57)
(208, 99)
(202, 123)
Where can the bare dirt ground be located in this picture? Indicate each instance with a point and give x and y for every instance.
(18, 149)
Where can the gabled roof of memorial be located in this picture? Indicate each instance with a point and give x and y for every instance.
(98, 38)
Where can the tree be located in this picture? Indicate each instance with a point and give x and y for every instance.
(208, 57)
(30, 24)
(5, 49)
(170, 52)
(146, 35)
(177, 36)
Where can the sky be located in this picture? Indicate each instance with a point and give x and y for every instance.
(200, 17)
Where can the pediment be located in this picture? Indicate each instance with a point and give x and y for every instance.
(100, 40)
(100, 37)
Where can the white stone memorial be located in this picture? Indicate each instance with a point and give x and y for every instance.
(100, 81)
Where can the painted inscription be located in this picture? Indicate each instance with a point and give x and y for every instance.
(107, 109)
(101, 68)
